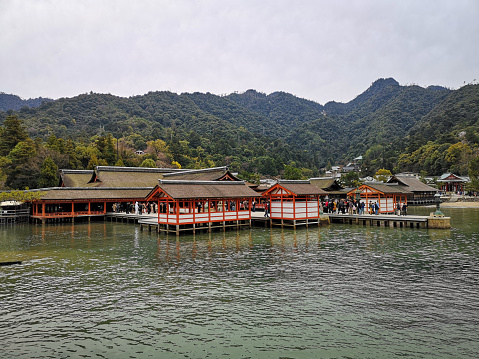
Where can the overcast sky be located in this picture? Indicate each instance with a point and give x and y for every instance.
(321, 50)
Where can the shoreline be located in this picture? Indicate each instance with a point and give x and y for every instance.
(458, 205)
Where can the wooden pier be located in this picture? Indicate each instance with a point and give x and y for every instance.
(150, 222)
(393, 221)
(259, 220)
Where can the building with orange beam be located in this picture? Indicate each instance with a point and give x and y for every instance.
(195, 205)
(388, 196)
(294, 202)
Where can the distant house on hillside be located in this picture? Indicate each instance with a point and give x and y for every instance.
(408, 174)
(354, 166)
(334, 172)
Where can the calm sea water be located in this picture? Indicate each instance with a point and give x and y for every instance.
(108, 290)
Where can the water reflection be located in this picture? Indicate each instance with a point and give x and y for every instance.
(111, 290)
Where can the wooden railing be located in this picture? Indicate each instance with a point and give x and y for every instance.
(14, 212)
(68, 214)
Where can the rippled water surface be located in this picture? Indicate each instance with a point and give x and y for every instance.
(108, 290)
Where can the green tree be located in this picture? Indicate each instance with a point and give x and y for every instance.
(49, 174)
(292, 172)
(148, 163)
(350, 179)
(474, 173)
(22, 152)
(458, 156)
(158, 146)
(93, 163)
(106, 149)
(73, 161)
(382, 175)
(11, 134)
(22, 171)
(109, 154)
(21, 196)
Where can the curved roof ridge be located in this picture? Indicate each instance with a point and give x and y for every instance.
(193, 182)
(294, 181)
(67, 170)
(190, 171)
(137, 169)
(87, 188)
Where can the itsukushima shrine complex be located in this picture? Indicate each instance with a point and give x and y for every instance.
(202, 200)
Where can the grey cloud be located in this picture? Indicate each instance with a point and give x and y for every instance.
(320, 50)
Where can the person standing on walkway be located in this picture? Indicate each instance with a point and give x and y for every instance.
(404, 209)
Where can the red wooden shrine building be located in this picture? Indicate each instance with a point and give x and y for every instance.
(87, 193)
(387, 195)
(450, 182)
(187, 205)
(292, 201)
(63, 202)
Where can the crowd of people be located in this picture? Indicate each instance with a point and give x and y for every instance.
(351, 206)
(135, 208)
(337, 206)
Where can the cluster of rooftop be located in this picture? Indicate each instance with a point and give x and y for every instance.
(192, 197)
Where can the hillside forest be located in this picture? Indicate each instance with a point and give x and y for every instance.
(393, 127)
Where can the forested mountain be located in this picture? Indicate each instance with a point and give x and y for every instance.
(447, 138)
(383, 113)
(392, 126)
(13, 102)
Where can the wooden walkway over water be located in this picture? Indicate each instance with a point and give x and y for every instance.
(150, 222)
(391, 220)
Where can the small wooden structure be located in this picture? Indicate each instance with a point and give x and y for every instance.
(388, 196)
(14, 212)
(450, 182)
(196, 205)
(294, 203)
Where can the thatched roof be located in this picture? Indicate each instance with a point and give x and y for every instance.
(207, 174)
(93, 193)
(300, 188)
(412, 184)
(327, 184)
(111, 176)
(75, 178)
(203, 189)
(388, 188)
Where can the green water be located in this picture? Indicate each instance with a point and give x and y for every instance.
(108, 290)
